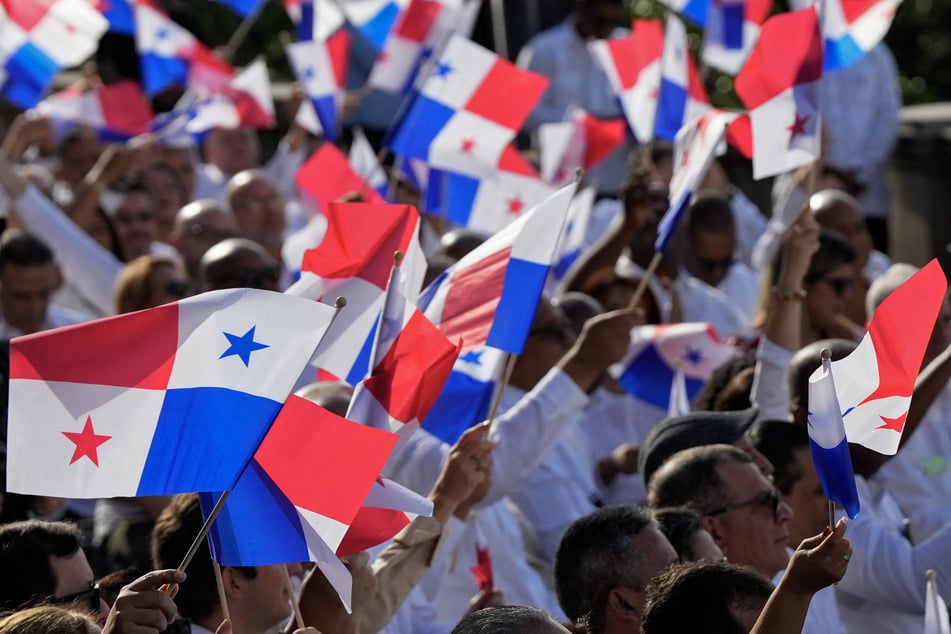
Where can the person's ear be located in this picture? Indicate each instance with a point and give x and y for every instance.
(626, 604)
(713, 526)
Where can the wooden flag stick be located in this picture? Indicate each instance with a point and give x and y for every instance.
(187, 559)
(237, 38)
(648, 274)
(222, 596)
(286, 576)
(497, 397)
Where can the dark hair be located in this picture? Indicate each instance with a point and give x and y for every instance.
(596, 554)
(24, 249)
(711, 392)
(710, 211)
(508, 619)
(805, 362)
(779, 441)
(834, 251)
(679, 525)
(700, 597)
(25, 550)
(690, 478)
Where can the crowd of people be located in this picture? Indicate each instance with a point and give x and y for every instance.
(601, 513)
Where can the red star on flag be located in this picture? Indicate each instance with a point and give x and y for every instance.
(467, 145)
(685, 158)
(87, 442)
(515, 205)
(798, 127)
(654, 94)
(894, 424)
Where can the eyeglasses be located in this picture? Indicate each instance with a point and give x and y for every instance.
(770, 499)
(128, 219)
(839, 284)
(90, 596)
(560, 331)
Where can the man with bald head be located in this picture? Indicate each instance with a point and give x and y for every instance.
(238, 263)
(258, 209)
(840, 212)
(198, 226)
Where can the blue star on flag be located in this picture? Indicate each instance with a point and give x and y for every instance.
(473, 356)
(693, 355)
(242, 346)
(442, 69)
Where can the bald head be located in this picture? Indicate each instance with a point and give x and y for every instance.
(258, 208)
(198, 226)
(333, 396)
(238, 263)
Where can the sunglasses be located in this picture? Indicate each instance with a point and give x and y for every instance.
(770, 499)
(90, 597)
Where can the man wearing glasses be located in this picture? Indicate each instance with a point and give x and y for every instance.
(45, 565)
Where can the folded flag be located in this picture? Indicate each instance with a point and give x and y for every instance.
(852, 28)
(117, 112)
(184, 413)
(830, 449)
(780, 86)
(632, 65)
(683, 97)
(874, 384)
(647, 370)
(491, 203)
(245, 101)
(315, 19)
(581, 140)
(165, 48)
(374, 18)
(489, 296)
(731, 32)
(354, 260)
(321, 68)
(467, 110)
(696, 146)
(936, 609)
(327, 176)
(302, 489)
(39, 38)
(387, 509)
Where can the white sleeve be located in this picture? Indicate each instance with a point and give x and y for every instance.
(283, 168)
(770, 391)
(90, 268)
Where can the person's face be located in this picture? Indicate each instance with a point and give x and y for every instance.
(244, 269)
(807, 500)
(704, 548)
(74, 577)
(134, 221)
(201, 233)
(167, 194)
(710, 256)
(753, 532)
(259, 212)
(646, 204)
(847, 220)
(658, 556)
(232, 151)
(268, 600)
(550, 337)
(25, 293)
(78, 158)
(828, 297)
(166, 285)
(182, 161)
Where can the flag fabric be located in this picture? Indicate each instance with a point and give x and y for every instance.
(364, 161)
(39, 38)
(244, 8)
(315, 19)
(354, 260)
(118, 14)
(489, 296)
(374, 18)
(327, 175)
(874, 384)
(632, 65)
(827, 441)
(467, 110)
(682, 96)
(780, 86)
(491, 203)
(647, 369)
(387, 509)
(482, 571)
(321, 68)
(244, 102)
(852, 28)
(936, 609)
(696, 146)
(411, 362)
(406, 47)
(679, 404)
(165, 48)
(574, 237)
(696, 11)
(184, 412)
(732, 30)
(116, 111)
(467, 395)
(306, 482)
(581, 140)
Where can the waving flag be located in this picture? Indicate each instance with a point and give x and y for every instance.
(245, 102)
(184, 413)
(632, 65)
(489, 296)
(491, 203)
(683, 97)
(165, 48)
(364, 161)
(405, 48)
(694, 10)
(118, 14)
(853, 27)
(411, 363)
(39, 38)
(679, 404)
(315, 19)
(574, 236)
(830, 449)
(647, 370)
(731, 32)
(875, 382)
(482, 571)
(327, 175)
(581, 140)
(387, 509)
(354, 260)
(321, 68)
(117, 111)
(307, 481)
(467, 395)
(374, 18)
(696, 146)
(780, 86)
(467, 111)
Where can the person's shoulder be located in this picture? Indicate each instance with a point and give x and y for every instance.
(553, 37)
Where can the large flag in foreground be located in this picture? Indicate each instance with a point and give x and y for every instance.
(168, 400)
(875, 382)
(830, 449)
(780, 86)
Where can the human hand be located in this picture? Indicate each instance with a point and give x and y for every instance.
(142, 607)
(819, 561)
(604, 339)
(800, 243)
(464, 472)
(622, 460)
(485, 599)
(26, 130)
